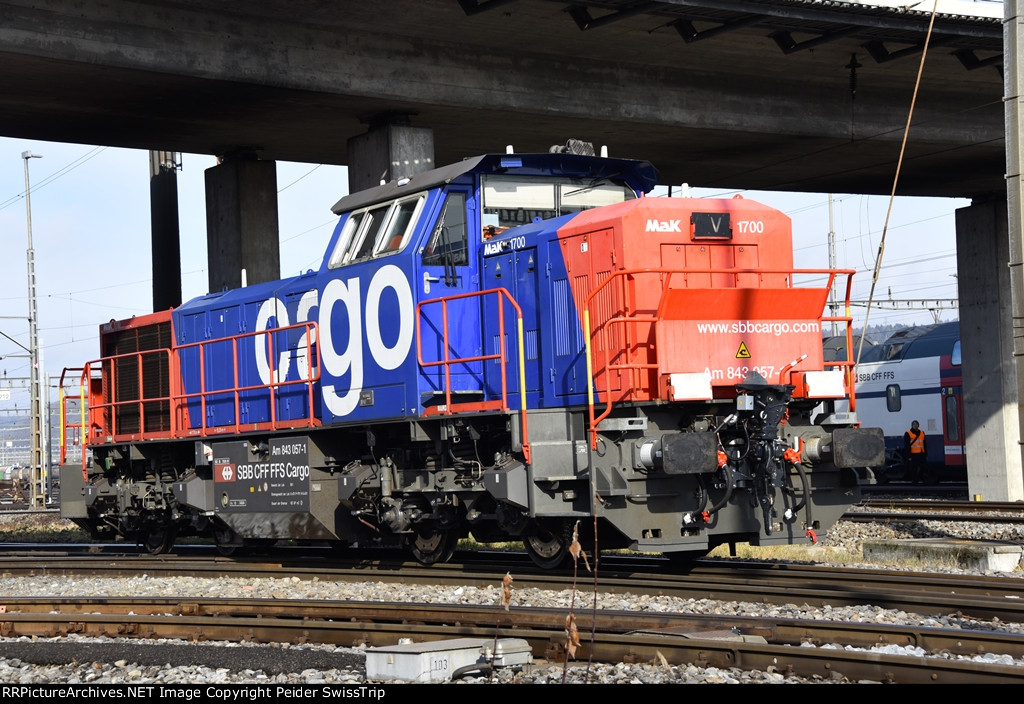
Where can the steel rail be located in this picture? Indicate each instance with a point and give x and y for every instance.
(984, 507)
(787, 631)
(980, 597)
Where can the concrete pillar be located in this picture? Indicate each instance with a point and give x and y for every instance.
(166, 244)
(1013, 93)
(241, 222)
(390, 150)
(991, 413)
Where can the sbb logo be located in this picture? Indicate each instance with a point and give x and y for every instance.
(225, 473)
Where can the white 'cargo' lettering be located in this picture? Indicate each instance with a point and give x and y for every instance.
(271, 308)
(351, 359)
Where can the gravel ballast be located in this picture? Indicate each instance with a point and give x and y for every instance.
(117, 661)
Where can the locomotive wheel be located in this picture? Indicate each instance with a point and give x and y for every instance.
(158, 541)
(431, 546)
(548, 549)
(223, 539)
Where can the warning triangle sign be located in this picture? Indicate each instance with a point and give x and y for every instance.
(743, 352)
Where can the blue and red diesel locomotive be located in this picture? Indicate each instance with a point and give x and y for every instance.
(502, 347)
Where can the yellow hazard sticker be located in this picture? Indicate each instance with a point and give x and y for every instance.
(743, 352)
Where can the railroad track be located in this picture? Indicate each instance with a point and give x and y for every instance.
(1010, 512)
(788, 646)
(750, 644)
(980, 597)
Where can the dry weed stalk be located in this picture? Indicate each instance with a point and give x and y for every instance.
(506, 590)
(593, 620)
(506, 600)
(572, 636)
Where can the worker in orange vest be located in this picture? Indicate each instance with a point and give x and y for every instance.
(913, 443)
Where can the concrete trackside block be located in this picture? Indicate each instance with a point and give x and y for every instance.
(987, 555)
(439, 661)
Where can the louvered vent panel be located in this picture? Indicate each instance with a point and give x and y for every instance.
(567, 332)
(154, 380)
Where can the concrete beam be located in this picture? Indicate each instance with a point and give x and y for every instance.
(241, 223)
(388, 151)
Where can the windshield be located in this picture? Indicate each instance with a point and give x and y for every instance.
(516, 200)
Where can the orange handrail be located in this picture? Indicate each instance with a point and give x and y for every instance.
(77, 432)
(448, 361)
(114, 405)
(177, 400)
(627, 320)
(312, 332)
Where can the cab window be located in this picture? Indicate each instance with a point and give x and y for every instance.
(509, 201)
(399, 226)
(373, 225)
(449, 237)
(573, 197)
(351, 227)
(378, 230)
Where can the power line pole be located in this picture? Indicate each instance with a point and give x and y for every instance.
(833, 305)
(35, 392)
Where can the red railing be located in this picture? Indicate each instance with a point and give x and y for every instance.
(628, 319)
(447, 361)
(104, 412)
(204, 394)
(71, 434)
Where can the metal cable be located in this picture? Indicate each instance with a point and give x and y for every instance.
(895, 180)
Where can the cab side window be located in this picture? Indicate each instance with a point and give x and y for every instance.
(351, 228)
(449, 236)
(377, 230)
(371, 232)
(398, 228)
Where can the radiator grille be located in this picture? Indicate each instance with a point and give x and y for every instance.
(150, 371)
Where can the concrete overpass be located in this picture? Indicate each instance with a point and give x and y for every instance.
(772, 95)
(777, 95)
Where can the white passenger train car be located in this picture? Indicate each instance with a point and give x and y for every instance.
(915, 375)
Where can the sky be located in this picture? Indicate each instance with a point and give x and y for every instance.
(91, 233)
